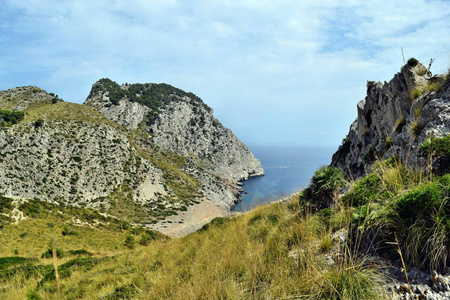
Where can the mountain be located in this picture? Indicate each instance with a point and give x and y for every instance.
(140, 161)
(395, 118)
(180, 122)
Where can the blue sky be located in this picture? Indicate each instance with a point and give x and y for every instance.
(275, 72)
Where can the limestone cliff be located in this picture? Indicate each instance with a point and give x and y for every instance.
(180, 122)
(70, 154)
(395, 118)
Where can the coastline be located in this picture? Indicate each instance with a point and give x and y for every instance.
(189, 221)
(197, 215)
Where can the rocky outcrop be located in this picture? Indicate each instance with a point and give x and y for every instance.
(180, 122)
(193, 131)
(127, 113)
(21, 98)
(394, 119)
(151, 147)
(74, 163)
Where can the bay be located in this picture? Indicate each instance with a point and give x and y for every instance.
(288, 169)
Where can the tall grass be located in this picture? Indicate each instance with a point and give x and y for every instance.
(412, 204)
(275, 251)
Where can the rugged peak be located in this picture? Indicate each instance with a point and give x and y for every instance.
(394, 118)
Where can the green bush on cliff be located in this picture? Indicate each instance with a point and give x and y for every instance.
(412, 62)
(438, 150)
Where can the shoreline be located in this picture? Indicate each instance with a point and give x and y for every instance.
(190, 221)
(197, 215)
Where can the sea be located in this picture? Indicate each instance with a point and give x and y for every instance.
(288, 169)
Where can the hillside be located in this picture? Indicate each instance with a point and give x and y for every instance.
(71, 154)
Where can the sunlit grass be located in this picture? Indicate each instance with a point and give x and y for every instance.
(273, 252)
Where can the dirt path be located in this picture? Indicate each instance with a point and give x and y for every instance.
(191, 220)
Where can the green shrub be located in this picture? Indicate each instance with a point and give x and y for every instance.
(323, 190)
(32, 295)
(364, 190)
(214, 222)
(122, 292)
(415, 93)
(130, 242)
(145, 239)
(420, 217)
(79, 252)
(438, 149)
(416, 128)
(39, 123)
(49, 253)
(7, 262)
(68, 231)
(412, 62)
(10, 117)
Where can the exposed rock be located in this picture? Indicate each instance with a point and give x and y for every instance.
(387, 116)
(74, 163)
(21, 98)
(127, 113)
(180, 122)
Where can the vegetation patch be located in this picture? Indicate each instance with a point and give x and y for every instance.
(412, 62)
(416, 128)
(323, 190)
(154, 96)
(8, 118)
(8, 262)
(438, 150)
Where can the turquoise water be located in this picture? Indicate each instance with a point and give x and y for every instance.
(288, 170)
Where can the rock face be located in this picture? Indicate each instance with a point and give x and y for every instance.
(73, 163)
(180, 122)
(394, 119)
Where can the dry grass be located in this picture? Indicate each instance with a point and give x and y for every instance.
(272, 252)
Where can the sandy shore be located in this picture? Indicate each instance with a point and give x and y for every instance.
(191, 220)
(196, 216)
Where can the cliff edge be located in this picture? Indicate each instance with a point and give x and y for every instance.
(395, 118)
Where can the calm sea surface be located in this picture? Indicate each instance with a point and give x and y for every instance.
(288, 170)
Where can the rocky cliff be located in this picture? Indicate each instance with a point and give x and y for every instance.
(395, 118)
(180, 122)
(118, 155)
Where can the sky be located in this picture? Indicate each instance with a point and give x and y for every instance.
(275, 72)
